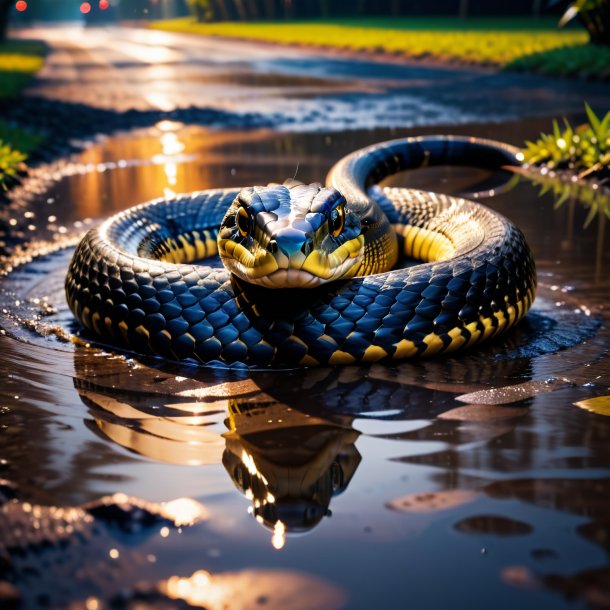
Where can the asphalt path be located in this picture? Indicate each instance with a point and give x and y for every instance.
(300, 89)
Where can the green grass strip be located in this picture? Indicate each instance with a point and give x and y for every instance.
(19, 61)
(586, 61)
(16, 143)
(483, 42)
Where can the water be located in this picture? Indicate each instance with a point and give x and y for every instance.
(472, 480)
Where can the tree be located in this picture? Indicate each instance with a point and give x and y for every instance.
(6, 7)
(202, 9)
(463, 9)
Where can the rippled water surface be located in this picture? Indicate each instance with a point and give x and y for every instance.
(477, 480)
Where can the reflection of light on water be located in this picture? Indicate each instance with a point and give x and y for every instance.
(197, 590)
(171, 144)
(171, 171)
(248, 461)
(92, 603)
(279, 535)
(184, 511)
(171, 147)
(276, 589)
(167, 125)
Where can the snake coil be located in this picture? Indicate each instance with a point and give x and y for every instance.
(135, 281)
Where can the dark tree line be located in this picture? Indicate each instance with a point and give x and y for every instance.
(249, 10)
(6, 6)
(597, 20)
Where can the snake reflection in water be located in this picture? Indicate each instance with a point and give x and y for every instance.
(309, 275)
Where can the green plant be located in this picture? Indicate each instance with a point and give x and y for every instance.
(11, 162)
(16, 144)
(594, 15)
(584, 150)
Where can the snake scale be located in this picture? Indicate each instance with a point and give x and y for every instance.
(309, 274)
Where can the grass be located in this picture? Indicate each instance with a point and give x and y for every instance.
(586, 60)
(477, 41)
(16, 143)
(19, 61)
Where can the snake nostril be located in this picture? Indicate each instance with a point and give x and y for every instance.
(272, 247)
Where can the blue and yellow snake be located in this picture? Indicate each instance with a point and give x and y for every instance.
(310, 273)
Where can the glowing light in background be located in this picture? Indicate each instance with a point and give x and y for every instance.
(85, 8)
(104, 4)
(21, 6)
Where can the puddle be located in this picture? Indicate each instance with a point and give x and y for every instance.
(474, 477)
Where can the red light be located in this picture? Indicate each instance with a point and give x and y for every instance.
(85, 7)
(21, 6)
(104, 4)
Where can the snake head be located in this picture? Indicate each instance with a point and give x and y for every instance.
(290, 235)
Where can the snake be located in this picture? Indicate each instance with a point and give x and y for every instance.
(343, 273)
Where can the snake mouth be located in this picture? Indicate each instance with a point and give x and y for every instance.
(297, 271)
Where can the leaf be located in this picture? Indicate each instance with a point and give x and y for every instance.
(556, 131)
(595, 122)
(590, 216)
(569, 132)
(568, 16)
(565, 193)
(605, 125)
(599, 405)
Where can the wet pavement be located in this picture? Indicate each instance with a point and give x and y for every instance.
(299, 89)
(477, 480)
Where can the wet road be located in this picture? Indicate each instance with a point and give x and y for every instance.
(123, 68)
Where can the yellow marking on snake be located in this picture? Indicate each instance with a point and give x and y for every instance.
(457, 339)
(143, 332)
(405, 349)
(435, 344)
(341, 357)
(298, 341)
(190, 253)
(488, 327)
(86, 316)
(475, 333)
(95, 319)
(124, 328)
(109, 326)
(308, 360)
(425, 244)
(373, 353)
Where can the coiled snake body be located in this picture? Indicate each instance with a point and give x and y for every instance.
(309, 277)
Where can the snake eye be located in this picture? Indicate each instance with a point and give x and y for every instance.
(243, 221)
(337, 220)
